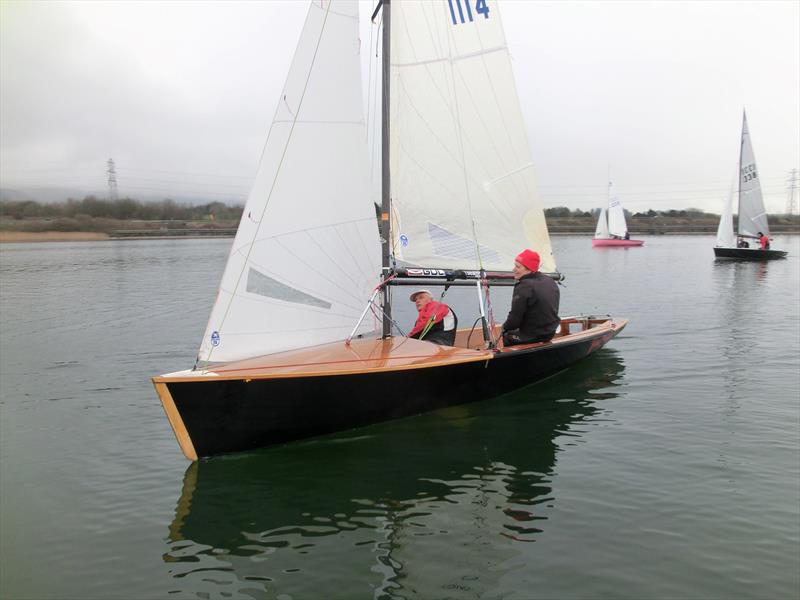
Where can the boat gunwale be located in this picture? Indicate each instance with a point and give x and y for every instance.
(259, 372)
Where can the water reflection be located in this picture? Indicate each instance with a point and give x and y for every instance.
(431, 505)
(738, 287)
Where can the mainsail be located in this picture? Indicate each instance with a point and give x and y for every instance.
(752, 214)
(616, 214)
(462, 183)
(306, 254)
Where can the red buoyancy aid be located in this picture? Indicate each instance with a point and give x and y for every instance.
(438, 310)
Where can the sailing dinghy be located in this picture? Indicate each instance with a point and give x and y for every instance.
(752, 218)
(612, 230)
(301, 341)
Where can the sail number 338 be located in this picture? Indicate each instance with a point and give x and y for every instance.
(749, 172)
(461, 10)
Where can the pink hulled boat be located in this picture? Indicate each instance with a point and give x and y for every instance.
(612, 230)
(615, 242)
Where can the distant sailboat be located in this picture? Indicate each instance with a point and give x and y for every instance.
(612, 230)
(752, 219)
(308, 266)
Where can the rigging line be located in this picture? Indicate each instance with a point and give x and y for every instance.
(282, 303)
(442, 145)
(444, 97)
(498, 153)
(377, 306)
(301, 287)
(373, 94)
(306, 230)
(528, 193)
(458, 125)
(369, 79)
(280, 163)
(346, 323)
(433, 134)
(339, 266)
(478, 112)
(365, 274)
(435, 40)
(482, 55)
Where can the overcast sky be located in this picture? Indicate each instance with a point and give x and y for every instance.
(180, 95)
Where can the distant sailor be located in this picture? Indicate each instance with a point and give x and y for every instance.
(436, 321)
(534, 306)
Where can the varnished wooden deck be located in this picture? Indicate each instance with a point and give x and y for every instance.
(376, 355)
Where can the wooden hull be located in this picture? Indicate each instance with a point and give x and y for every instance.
(301, 394)
(748, 253)
(604, 243)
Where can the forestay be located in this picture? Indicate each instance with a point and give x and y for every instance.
(752, 214)
(461, 167)
(306, 254)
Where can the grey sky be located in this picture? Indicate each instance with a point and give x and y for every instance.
(180, 94)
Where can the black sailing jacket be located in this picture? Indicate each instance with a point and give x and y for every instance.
(534, 307)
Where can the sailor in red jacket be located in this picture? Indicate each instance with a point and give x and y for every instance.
(436, 322)
(763, 240)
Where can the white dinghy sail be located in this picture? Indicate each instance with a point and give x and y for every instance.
(307, 252)
(752, 214)
(601, 231)
(616, 214)
(462, 185)
(725, 237)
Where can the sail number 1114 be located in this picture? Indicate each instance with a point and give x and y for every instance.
(464, 9)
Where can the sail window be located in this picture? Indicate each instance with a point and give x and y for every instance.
(451, 245)
(263, 285)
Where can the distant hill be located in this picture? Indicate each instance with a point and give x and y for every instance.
(50, 195)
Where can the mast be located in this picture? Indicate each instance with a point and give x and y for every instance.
(385, 181)
(739, 195)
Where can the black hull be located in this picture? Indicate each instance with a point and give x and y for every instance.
(748, 253)
(238, 414)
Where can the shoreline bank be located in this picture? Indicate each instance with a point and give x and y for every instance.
(12, 237)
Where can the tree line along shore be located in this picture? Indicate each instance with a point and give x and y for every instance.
(98, 219)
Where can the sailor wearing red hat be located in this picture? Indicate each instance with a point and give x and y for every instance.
(534, 306)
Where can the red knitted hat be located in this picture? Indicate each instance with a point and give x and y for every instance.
(529, 259)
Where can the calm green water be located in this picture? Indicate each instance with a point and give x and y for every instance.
(666, 466)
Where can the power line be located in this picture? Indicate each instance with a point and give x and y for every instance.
(791, 183)
(112, 180)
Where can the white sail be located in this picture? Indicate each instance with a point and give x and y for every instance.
(752, 214)
(725, 237)
(306, 253)
(601, 231)
(616, 214)
(461, 166)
